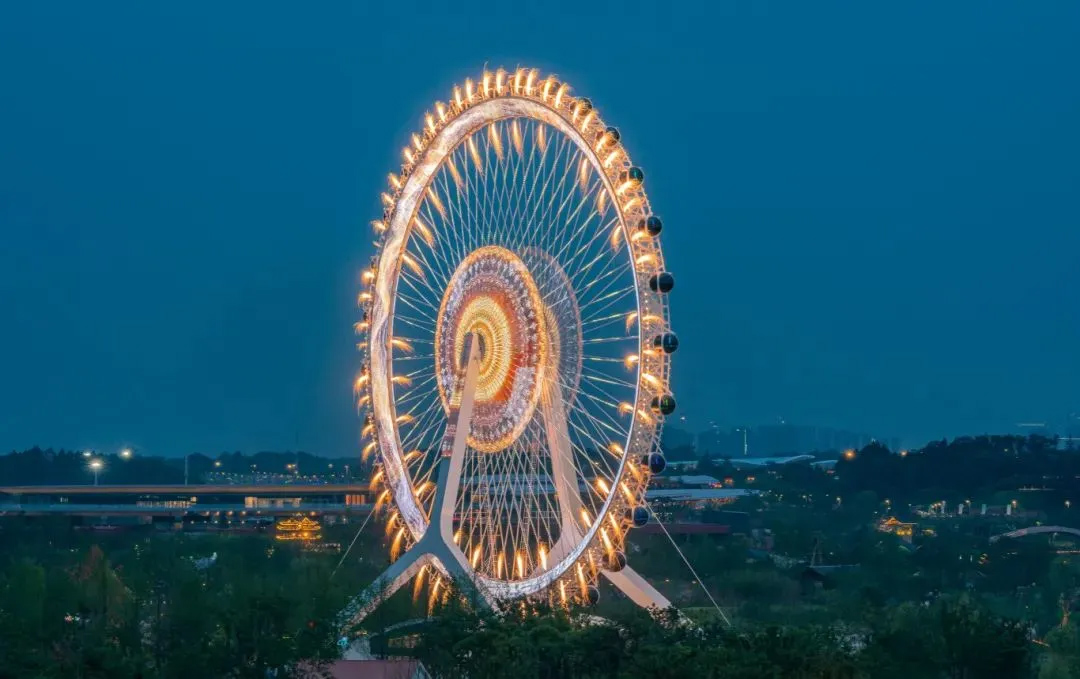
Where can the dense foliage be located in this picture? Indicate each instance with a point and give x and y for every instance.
(948, 602)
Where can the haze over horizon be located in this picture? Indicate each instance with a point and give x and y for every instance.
(872, 218)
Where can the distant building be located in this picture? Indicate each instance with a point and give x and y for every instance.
(904, 531)
(697, 498)
(686, 480)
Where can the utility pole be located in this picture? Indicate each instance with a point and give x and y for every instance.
(186, 468)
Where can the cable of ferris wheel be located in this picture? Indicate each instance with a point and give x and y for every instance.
(686, 561)
(355, 537)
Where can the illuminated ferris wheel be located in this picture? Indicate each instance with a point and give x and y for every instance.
(516, 348)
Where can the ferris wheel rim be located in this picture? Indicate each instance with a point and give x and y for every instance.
(397, 233)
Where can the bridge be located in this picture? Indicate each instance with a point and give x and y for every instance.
(179, 501)
(1036, 530)
(288, 489)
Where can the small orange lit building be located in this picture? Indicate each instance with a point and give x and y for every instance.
(300, 528)
(891, 524)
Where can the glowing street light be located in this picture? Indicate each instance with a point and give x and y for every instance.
(96, 466)
(86, 453)
(125, 454)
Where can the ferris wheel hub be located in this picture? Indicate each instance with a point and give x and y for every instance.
(493, 295)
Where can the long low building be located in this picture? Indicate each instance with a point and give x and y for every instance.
(698, 495)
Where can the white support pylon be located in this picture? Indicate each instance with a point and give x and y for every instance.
(568, 495)
(436, 546)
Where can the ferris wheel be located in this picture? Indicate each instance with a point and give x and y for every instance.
(516, 343)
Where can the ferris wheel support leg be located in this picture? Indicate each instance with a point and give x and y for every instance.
(562, 472)
(436, 546)
(392, 579)
(638, 589)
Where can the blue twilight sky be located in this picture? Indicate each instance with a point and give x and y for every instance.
(872, 209)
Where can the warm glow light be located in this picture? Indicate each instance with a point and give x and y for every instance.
(413, 265)
(423, 488)
(560, 94)
(543, 557)
(606, 540)
(419, 583)
(583, 174)
(395, 546)
(436, 202)
(475, 557)
(515, 136)
(496, 140)
(616, 236)
(458, 180)
(631, 360)
(475, 154)
(585, 518)
(602, 485)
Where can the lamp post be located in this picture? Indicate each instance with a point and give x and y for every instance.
(96, 467)
(125, 454)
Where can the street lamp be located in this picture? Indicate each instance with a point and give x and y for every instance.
(125, 454)
(96, 466)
